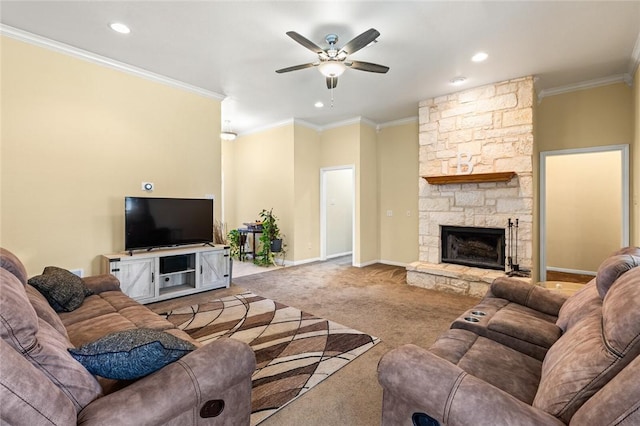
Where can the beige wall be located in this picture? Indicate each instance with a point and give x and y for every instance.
(77, 138)
(306, 183)
(301, 152)
(586, 118)
(589, 118)
(228, 202)
(367, 210)
(398, 191)
(264, 179)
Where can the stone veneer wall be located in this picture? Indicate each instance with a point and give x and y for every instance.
(492, 124)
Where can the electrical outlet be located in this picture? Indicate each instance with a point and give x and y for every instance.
(389, 213)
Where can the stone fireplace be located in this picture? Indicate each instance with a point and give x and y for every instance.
(476, 158)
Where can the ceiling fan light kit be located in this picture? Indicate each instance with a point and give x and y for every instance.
(332, 68)
(332, 62)
(226, 134)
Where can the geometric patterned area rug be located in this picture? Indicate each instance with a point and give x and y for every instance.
(294, 350)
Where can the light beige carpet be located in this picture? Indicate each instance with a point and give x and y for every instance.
(375, 300)
(294, 350)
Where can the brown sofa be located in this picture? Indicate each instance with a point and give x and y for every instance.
(528, 356)
(41, 383)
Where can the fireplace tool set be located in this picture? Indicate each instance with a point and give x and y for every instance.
(511, 260)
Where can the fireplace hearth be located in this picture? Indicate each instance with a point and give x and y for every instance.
(473, 246)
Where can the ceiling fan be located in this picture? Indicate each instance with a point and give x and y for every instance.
(333, 61)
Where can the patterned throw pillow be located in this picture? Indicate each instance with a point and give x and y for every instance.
(63, 290)
(130, 354)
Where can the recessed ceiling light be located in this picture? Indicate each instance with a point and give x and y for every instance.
(479, 57)
(457, 81)
(318, 104)
(119, 27)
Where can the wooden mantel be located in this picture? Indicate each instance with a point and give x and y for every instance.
(472, 178)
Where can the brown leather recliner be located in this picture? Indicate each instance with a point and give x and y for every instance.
(490, 372)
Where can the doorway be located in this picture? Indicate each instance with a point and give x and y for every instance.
(337, 212)
(584, 208)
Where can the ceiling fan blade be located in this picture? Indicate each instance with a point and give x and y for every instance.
(360, 41)
(305, 42)
(367, 66)
(296, 67)
(332, 82)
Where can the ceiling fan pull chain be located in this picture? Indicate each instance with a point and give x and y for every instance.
(331, 96)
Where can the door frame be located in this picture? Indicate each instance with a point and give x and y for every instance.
(624, 154)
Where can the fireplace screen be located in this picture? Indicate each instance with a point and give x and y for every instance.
(470, 246)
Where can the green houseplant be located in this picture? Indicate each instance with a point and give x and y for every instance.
(236, 240)
(270, 239)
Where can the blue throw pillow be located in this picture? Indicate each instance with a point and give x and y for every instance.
(131, 354)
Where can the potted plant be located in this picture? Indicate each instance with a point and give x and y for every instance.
(270, 239)
(236, 241)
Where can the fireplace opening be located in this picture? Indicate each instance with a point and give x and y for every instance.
(472, 246)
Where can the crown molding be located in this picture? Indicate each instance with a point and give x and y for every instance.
(618, 78)
(66, 49)
(399, 122)
(350, 121)
(342, 123)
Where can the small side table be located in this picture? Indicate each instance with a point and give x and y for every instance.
(246, 231)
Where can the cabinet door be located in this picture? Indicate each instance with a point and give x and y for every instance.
(214, 269)
(136, 277)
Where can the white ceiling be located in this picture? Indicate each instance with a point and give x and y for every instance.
(233, 48)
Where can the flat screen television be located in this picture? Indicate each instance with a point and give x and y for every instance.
(165, 222)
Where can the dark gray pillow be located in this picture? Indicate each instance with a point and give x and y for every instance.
(130, 354)
(63, 290)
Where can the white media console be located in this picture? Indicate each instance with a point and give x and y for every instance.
(162, 274)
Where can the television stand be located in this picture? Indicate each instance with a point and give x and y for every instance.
(172, 272)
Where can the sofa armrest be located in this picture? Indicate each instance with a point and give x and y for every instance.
(103, 282)
(183, 386)
(416, 380)
(525, 294)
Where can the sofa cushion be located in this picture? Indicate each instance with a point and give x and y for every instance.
(42, 345)
(524, 329)
(64, 290)
(497, 364)
(92, 307)
(612, 268)
(581, 305)
(526, 324)
(92, 329)
(588, 356)
(130, 354)
(11, 263)
(108, 312)
(44, 310)
(28, 396)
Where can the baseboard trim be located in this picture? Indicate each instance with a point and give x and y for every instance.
(301, 262)
(393, 263)
(571, 271)
(346, 253)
